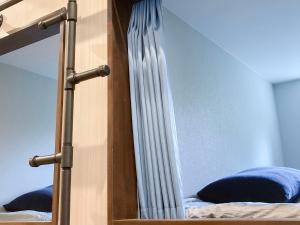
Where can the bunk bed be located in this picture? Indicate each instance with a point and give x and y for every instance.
(123, 207)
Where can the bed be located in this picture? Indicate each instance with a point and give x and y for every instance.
(257, 193)
(197, 209)
(26, 215)
(32, 206)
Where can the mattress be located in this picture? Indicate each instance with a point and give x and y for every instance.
(196, 209)
(27, 215)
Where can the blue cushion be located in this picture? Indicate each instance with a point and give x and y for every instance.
(265, 184)
(40, 200)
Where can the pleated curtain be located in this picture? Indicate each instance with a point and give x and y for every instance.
(154, 129)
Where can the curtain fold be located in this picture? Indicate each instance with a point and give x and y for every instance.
(153, 120)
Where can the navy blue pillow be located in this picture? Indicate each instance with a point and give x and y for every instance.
(265, 184)
(40, 200)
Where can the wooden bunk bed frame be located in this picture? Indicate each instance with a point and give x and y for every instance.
(122, 191)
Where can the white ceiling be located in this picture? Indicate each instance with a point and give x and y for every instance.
(40, 58)
(263, 34)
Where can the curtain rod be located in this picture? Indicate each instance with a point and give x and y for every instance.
(8, 3)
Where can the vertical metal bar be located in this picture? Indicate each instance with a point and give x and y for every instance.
(67, 147)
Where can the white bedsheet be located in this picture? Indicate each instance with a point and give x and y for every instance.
(27, 215)
(196, 209)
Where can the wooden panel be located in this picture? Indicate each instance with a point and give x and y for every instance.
(122, 175)
(89, 184)
(207, 222)
(59, 116)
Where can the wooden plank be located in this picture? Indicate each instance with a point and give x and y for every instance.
(25, 37)
(28, 11)
(59, 124)
(89, 174)
(122, 195)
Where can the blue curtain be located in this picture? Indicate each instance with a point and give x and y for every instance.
(155, 137)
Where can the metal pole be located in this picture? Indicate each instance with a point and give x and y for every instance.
(67, 147)
(8, 4)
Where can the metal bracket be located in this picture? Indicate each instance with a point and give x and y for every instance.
(101, 71)
(67, 157)
(37, 161)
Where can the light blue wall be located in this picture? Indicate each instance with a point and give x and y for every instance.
(288, 107)
(225, 114)
(27, 128)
